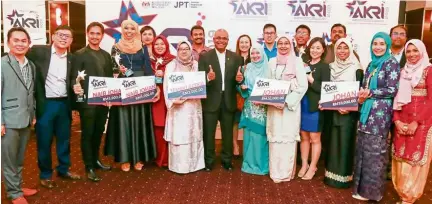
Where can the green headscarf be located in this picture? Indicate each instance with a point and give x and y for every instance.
(374, 68)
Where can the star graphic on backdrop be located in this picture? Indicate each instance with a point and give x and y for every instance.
(126, 12)
(351, 5)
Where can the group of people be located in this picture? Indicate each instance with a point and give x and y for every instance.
(394, 102)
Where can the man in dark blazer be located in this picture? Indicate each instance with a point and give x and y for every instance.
(53, 104)
(223, 75)
(93, 61)
(17, 105)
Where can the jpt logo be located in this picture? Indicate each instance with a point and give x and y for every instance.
(300, 8)
(252, 8)
(182, 4)
(18, 20)
(359, 10)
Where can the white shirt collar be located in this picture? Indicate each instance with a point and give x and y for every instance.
(53, 51)
(219, 53)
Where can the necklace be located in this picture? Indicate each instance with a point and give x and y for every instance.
(280, 75)
(129, 59)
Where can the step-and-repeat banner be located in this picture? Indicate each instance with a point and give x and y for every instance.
(175, 18)
(29, 14)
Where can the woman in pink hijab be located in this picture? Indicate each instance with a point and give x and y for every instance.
(412, 150)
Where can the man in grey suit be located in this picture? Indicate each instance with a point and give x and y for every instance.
(17, 104)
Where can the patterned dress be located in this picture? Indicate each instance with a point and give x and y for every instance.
(371, 156)
(412, 155)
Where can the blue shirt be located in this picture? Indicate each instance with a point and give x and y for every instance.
(270, 53)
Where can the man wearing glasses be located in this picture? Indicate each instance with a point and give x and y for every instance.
(399, 38)
(270, 35)
(53, 92)
(302, 36)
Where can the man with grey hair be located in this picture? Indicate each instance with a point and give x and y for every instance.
(222, 69)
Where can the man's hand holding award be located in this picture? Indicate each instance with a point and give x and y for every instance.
(77, 87)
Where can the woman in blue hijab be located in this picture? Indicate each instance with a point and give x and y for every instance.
(376, 95)
(254, 117)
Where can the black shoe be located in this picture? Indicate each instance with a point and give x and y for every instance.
(227, 166)
(70, 176)
(91, 175)
(208, 168)
(99, 165)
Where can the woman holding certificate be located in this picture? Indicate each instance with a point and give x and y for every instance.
(311, 118)
(283, 122)
(184, 128)
(253, 118)
(376, 94)
(412, 153)
(161, 57)
(130, 137)
(340, 154)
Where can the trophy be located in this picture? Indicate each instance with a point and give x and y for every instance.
(158, 80)
(117, 59)
(81, 76)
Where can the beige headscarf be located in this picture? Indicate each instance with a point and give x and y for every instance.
(344, 70)
(133, 44)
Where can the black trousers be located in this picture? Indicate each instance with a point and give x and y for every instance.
(92, 126)
(226, 119)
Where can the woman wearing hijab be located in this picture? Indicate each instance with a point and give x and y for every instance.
(161, 57)
(130, 137)
(342, 124)
(184, 128)
(253, 118)
(283, 122)
(378, 89)
(412, 153)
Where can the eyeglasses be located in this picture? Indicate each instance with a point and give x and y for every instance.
(302, 33)
(269, 33)
(399, 34)
(64, 36)
(221, 38)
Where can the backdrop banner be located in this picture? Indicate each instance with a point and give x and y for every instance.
(29, 14)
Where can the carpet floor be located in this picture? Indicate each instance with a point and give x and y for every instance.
(157, 185)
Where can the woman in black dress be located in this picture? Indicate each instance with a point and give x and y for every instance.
(130, 135)
(311, 118)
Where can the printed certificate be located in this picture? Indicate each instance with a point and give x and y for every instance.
(186, 85)
(340, 95)
(270, 91)
(104, 89)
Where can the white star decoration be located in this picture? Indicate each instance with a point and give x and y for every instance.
(159, 60)
(81, 75)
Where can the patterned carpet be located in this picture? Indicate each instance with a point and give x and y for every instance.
(155, 185)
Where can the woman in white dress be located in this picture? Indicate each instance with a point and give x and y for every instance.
(283, 123)
(184, 128)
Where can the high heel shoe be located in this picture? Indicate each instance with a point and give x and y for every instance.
(125, 167)
(138, 166)
(302, 173)
(308, 176)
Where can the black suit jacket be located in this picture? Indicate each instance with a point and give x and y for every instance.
(214, 87)
(84, 60)
(41, 57)
(403, 60)
(320, 73)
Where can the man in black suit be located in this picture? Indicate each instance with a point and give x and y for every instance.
(53, 104)
(93, 61)
(223, 75)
